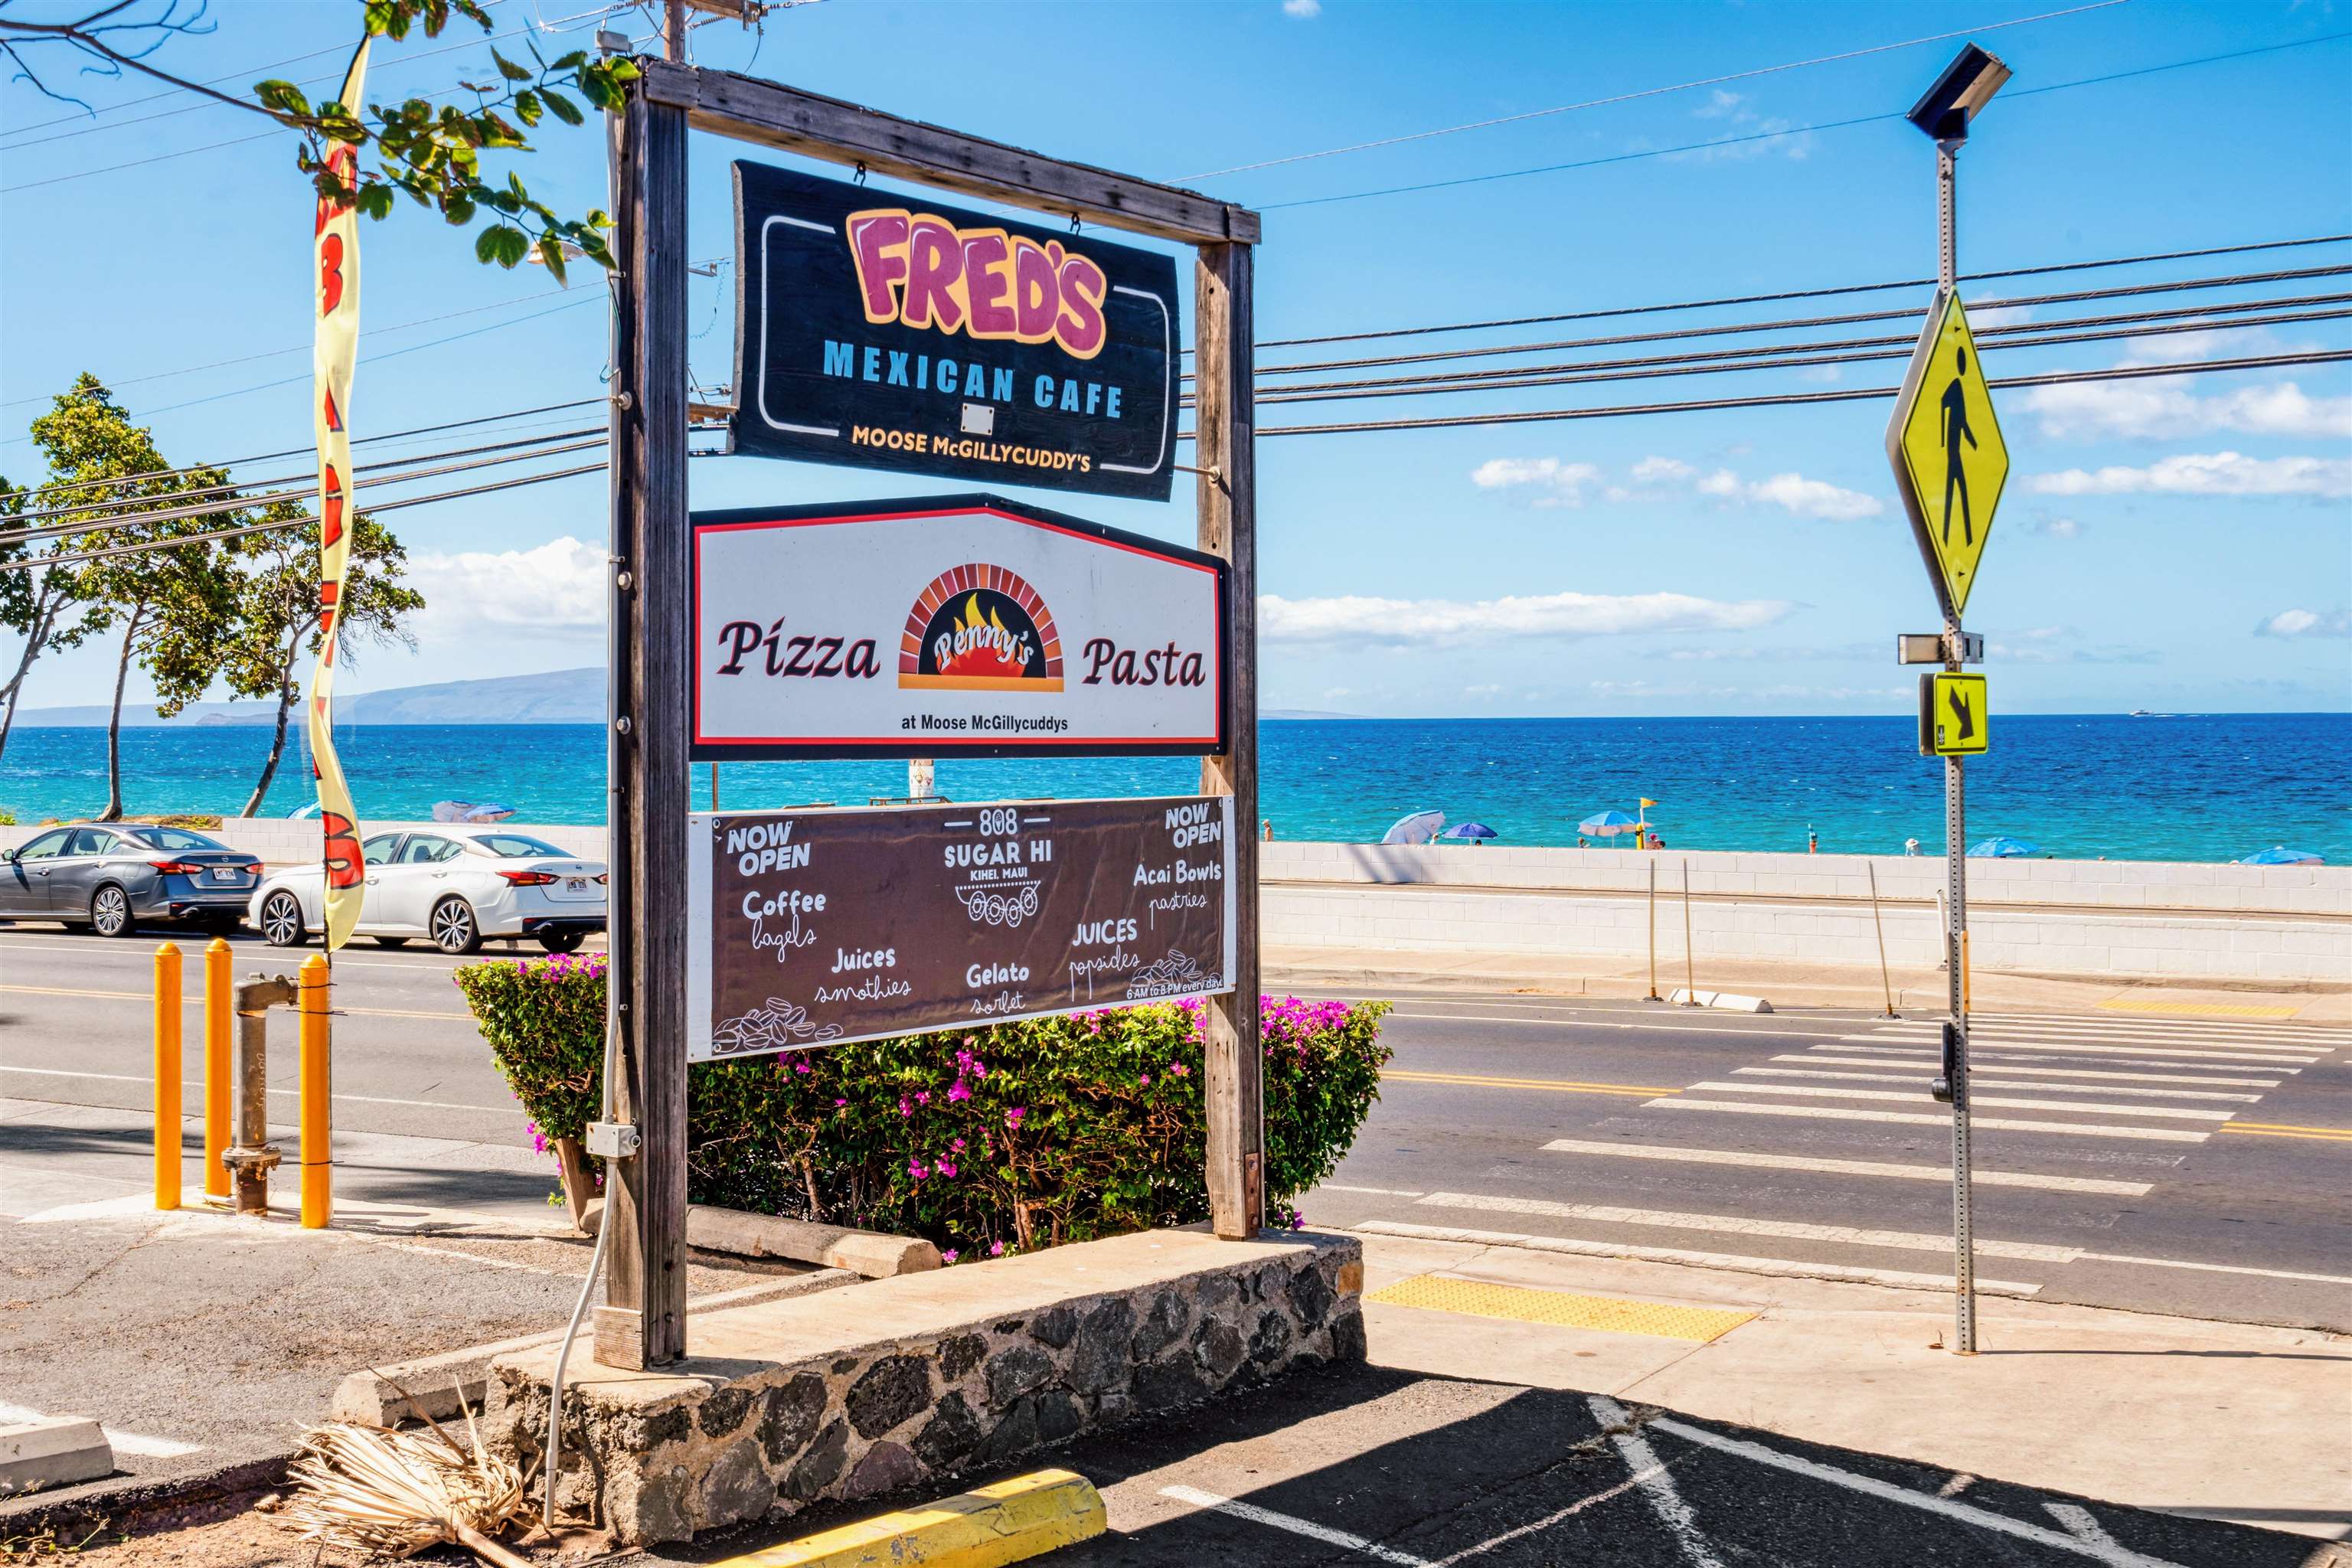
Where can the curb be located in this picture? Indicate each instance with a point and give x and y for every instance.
(130, 1505)
(1009, 1521)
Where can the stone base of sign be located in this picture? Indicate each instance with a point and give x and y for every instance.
(876, 1387)
(873, 1254)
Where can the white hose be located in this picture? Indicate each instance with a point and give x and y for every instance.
(555, 1391)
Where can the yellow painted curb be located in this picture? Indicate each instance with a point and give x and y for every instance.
(1007, 1522)
(1518, 1303)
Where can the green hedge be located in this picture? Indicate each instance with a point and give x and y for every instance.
(1004, 1137)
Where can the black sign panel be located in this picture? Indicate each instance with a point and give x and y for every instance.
(887, 331)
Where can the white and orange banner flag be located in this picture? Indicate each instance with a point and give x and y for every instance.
(335, 273)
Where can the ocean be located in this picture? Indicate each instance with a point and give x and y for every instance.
(2202, 788)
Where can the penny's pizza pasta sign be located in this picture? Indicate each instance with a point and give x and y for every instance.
(959, 625)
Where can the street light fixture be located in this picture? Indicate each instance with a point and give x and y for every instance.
(1966, 85)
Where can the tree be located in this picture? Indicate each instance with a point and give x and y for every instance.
(277, 613)
(431, 154)
(36, 602)
(170, 605)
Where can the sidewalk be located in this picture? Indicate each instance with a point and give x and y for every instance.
(2219, 1421)
(1368, 970)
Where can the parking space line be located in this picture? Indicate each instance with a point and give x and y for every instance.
(1667, 1502)
(2115, 1556)
(1296, 1526)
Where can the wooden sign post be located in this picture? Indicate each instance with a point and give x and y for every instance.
(643, 1320)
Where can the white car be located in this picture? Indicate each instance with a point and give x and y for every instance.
(454, 887)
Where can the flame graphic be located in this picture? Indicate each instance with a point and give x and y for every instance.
(984, 645)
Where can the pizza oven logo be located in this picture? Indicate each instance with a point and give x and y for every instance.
(981, 628)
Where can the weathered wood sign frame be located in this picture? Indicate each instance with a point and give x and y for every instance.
(643, 1320)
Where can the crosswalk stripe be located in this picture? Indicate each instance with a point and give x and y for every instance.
(1670, 1154)
(1980, 1051)
(1928, 1064)
(1787, 1231)
(2112, 1037)
(1780, 1267)
(2174, 1113)
(1981, 1082)
(2328, 1033)
(2000, 1123)
(2150, 1053)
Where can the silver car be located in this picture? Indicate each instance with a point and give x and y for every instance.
(114, 876)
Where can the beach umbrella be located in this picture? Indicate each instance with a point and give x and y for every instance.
(1418, 828)
(1608, 824)
(2001, 847)
(2280, 854)
(1470, 830)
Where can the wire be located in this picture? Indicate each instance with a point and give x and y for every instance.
(1771, 135)
(1645, 92)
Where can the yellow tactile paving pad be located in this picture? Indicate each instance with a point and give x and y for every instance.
(1518, 1304)
(2197, 1009)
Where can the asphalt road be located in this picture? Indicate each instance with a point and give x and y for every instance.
(2191, 1166)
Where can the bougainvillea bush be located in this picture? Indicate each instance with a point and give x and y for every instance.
(985, 1141)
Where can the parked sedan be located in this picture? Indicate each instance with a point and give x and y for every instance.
(111, 876)
(454, 887)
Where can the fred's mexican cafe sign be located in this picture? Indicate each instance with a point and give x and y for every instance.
(885, 329)
(961, 624)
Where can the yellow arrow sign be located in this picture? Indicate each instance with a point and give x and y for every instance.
(1949, 459)
(1955, 716)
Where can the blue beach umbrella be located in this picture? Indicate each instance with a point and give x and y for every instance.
(1470, 830)
(2280, 854)
(2001, 847)
(1608, 824)
(1418, 828)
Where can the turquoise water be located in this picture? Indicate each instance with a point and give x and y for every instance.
(2196, 788)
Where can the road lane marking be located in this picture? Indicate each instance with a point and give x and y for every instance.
(1732, 1224)
(1341, 1538)
(1560, 1308)
(136, 1442)
(287, 1093)
(2212, 1268)
(2197, 1009)
(253, 951)
(2000, 1123)
(1376, 1192)
(1928, 1064)
(1557, 1085)
(2079, 1522)
(1889, 1491)
(1653, 1028)
(1976, 1081)
(1829, 1167)
(197, 1000)
(2288, 1130)
(1665, 1500)
(1778, 1267)
(2175, 1112)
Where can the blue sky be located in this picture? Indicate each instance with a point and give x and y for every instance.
(2183, 544)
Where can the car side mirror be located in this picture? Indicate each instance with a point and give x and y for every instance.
(8, 855)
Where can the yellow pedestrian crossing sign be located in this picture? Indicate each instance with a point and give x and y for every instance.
(1949, 459)
(1954, 717)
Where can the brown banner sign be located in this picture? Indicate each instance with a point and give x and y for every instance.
(820, 927)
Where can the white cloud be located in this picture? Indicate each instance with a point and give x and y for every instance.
(1655, 470)
(1813, 498)
(2305, 624)
(1722, 482)
(1305, 10)
(1560, 484)
(2054, 527)
(1483, 693)
(2157, 409)
(1443, 622)
(2208, 474)
(557, 587)
(1719, 105)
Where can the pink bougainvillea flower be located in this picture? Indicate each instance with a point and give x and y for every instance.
(1012, 1117)
(996, 1249)
(949, 1256)
(915, 1168)
(839, 1103)
(960, 1090)
(947, 1170)
(1179, 1070)
(922, 1097)
(956, 1144)
(803, 1066)
(1145, 1081)
(905, 1108)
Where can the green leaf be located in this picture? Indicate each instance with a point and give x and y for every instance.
(551, 252)
(572, 61)
(513, 246)
(527, 108)
(565, 110)
(282, 96)
(486, 246)
(510, 70)
(460, 211)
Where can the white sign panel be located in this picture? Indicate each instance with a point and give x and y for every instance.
(961, 624)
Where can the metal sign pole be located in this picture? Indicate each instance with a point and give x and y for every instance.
(1955, 874)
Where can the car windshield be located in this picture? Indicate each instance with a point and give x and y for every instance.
(517, 847)
(175, 839)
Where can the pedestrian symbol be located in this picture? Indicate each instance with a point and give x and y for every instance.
(1949, 459)
(1954, 721)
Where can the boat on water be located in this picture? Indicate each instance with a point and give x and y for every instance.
(470, 811)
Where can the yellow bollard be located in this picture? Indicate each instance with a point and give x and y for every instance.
(167, 1075)
(318, 1123)
(220, 1008)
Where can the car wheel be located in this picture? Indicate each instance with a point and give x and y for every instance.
(109, 912)
(453, 927)
(282, 920)
(562, 941)
(391, 941)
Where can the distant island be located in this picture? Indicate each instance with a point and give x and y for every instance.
(555, 697)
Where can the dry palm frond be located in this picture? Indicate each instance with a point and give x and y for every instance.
(387, 1493)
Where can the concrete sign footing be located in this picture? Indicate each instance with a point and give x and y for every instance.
(53, 1451)
(1725, 999)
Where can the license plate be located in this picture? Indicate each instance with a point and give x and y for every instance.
(227, 874)
(575, 884)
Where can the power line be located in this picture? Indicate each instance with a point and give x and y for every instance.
(1644, 92)
(1771, 135)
